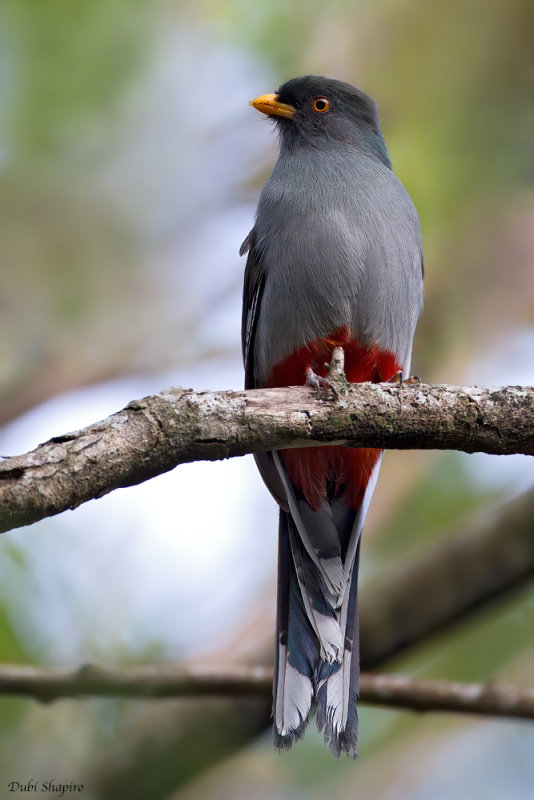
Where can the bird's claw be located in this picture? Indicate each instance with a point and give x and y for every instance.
(317, 382)
(399, 378)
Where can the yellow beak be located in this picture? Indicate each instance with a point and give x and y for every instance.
(269, 104)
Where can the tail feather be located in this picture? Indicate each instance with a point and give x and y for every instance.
(296, 650)
(317, 655)
(316, 600)
(337, 695)
(319, 535)
(317, 660)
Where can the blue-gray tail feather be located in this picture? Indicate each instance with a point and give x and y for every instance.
(309, 673)
(340, 719)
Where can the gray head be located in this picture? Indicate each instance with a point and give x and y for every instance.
(313, 111)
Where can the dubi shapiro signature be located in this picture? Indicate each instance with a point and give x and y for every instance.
(44, 786)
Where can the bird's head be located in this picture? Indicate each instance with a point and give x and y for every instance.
(316, 111)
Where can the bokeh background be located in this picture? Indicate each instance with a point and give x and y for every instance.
(130, 165)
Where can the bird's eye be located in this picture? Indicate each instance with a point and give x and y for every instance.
(321, 104)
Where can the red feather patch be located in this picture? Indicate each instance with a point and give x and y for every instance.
(321, 472)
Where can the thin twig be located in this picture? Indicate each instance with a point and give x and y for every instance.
(393, 691)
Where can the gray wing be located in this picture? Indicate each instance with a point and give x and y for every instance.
(253, 288)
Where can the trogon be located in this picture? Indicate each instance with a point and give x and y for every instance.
(334, 260)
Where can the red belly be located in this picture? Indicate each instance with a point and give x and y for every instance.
(328, 472)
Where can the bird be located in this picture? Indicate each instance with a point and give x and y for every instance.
(334, 260)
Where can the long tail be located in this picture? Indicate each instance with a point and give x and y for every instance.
(317, 659)
(337, 693)
(296, 652)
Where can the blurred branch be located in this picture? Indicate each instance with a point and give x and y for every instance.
(47, 684)
(394, 691)
(490, 699)
(174, 743)
(455, 577)
(467, 570)
(154, 435)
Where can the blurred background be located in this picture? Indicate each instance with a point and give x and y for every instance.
(130, 165)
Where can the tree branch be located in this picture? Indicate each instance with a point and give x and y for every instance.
(393, 691)
(468, 569)
(153, 435)
(493, 700)
(472, 566)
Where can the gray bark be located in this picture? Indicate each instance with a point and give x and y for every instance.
(153, 435)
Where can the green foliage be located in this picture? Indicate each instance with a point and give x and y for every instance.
(67, 62)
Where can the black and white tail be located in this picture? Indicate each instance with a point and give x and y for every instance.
(317, 660)
(317, 654)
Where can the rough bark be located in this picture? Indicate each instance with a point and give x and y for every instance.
(153, 435)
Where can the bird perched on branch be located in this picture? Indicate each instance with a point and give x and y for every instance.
(334, 260)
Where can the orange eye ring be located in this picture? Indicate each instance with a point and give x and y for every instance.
(321, 104)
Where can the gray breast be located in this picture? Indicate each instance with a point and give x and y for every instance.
(340, 244)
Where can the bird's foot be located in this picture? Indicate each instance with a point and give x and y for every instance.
(318, 383)
(399, 378)
(336, 381)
